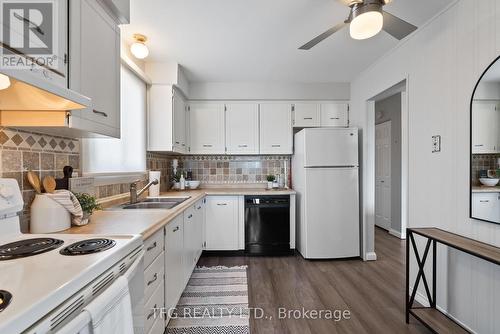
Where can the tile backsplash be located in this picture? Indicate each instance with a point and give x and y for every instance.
(21, 151)
(482, 161)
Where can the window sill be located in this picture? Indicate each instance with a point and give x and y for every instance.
(103, 179)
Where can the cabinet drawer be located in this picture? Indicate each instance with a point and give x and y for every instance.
(153, 275)
(155, 302)
(153, 246)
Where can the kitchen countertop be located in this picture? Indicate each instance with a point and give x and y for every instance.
(147, 221)
(484, 189)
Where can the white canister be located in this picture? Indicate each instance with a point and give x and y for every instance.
(154, 190)
(48, 216)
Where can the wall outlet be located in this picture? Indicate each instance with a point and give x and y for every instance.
(436, 143)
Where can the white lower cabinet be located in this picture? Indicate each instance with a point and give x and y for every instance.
(174, 251)
(222, 223)
(486, 206)
(152, 308)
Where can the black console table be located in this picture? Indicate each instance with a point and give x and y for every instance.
(431, 317)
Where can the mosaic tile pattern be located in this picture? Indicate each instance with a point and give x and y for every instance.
(21, 151)
(482, 161)
(116, 189)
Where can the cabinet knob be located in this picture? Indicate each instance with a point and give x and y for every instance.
(243, 145)
(275, 145)
(175, 229)
(306, 118)
(334, 117)
(207, 145)
(222, 204)
(155, 277)
(151, 247)
(190, 216)
(102, 113)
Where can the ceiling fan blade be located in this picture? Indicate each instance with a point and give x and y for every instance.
(397, 27)
(323, 36)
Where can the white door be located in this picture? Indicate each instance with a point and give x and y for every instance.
(306, 115)
(222, 223)
(276, 135)
(331, 213)
(325, 147)
(206, 128)
(242, 128)
(383, 175)
(334, 114)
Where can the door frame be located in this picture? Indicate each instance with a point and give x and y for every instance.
(386, 123)
(400, 86)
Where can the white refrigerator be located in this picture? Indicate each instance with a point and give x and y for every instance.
(325, 174)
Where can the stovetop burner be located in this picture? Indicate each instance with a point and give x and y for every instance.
(88, 246)
(28, 247)
(5, 298)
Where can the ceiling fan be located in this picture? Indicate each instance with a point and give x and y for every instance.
(366, 19)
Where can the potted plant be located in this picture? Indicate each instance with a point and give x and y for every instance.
(177, 180)
(89, 205)
(270, 180)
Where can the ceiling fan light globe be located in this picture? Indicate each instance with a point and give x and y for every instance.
(139, 50)
(366, 25)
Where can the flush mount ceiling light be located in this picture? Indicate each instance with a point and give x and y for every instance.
(366, 19)
(139, 48)
(4, 81)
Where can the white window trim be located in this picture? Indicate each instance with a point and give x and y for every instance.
(104, 179)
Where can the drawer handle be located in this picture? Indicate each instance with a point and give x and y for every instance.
(155, 277)
(190, 216)
(484, 201)
(243, 145)
(221, 204)
(275, 145)
(198, 208)
(334, 117)
(175, 229)
(177, 142)
(479, 145)
(207, 145)
(308, 118)
(151, 247)
(150, 315)
(102, 113)
(183, 145)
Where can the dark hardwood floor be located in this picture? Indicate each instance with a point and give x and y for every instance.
(373, 292)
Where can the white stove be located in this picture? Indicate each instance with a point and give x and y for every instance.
(44, 288)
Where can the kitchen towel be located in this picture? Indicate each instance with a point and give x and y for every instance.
(69, 201)
(154, 190)
(111, 311)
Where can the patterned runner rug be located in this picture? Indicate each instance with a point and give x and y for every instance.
(215, 301)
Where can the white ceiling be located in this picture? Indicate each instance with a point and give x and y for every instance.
(257, 40)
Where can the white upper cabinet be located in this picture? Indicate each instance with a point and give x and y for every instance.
(334, 114)
(242, 128)
(485, 122)
(306, 115)
(95, 65)
(206, 128)
(276, 128)
(166, 120)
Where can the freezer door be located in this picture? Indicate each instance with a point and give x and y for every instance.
(331, 213)
(331, 147)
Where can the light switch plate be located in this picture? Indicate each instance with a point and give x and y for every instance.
(436, 143)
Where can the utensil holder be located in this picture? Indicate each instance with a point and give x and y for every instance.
(48, 216)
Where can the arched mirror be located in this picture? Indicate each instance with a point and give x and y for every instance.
(485, 146)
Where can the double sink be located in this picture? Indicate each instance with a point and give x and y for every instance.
(155, 203)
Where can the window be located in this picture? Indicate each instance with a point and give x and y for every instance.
(127, 154)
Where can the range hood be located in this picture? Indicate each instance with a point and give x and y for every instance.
(33, 101)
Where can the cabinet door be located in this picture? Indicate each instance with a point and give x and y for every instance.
(486, 206)
(275, 128)
(242, 128)
(306, 115)
(334, 114)
(190, 241)
(200, 222)
(160, 118)
(95, 63)
(222, 223)
(485, 124)
(206, 128)
(179, 130)
(174, 249)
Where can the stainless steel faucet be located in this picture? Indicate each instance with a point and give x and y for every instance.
(134, 194)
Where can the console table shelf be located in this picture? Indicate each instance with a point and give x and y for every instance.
(431, 317)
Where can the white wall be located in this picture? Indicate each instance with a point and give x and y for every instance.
(442, 63)
(268, 91)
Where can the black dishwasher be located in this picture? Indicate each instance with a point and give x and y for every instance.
(267, 225)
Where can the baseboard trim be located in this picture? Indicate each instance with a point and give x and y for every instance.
(370, 256)
(397, 234)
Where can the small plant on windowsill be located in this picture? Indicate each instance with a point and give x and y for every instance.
(177, 180)
(270, 180)
(89, 204)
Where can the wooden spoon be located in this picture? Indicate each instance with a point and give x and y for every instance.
(49, 184)
(34, 180)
